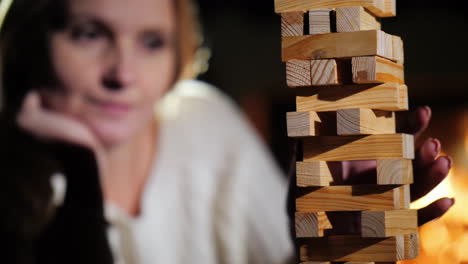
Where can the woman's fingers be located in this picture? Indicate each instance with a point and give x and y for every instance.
(52, 126)
(434, 210)
(415, 122)
(428, 178)
(427, 153)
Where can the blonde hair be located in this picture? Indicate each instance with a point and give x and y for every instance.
(192, 56)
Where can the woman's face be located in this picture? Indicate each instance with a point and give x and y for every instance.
(113, 60)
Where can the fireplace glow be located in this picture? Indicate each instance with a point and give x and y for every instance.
(445, 241)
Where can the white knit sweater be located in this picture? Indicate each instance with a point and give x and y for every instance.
(214, 195)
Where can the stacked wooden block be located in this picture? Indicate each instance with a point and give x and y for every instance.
(349, 79)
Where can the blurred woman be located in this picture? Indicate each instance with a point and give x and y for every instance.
(185, 181)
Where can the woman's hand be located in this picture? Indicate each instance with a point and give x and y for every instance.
(429, 167)
(55, 127)
(429, 170)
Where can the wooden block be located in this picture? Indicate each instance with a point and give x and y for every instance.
(380, 9)
(386, 45)
(311, 224)
(354, 248)
(398, 50)
(352, 198)
(302, 124)
(360, 121)
(316, 173)
(372, 147)
(324, 72)
(292, 24)
(306, 124)
(388, 96)
(389, 223)
(298, 73)
(411, 246)
(383, 8)
(320, 21)
(355, 18)
(394, 171)
(363, 121)
(338, 45)
(377, 70)
(402, 196)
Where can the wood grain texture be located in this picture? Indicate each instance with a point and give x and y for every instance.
(354, 248)
(302, 124)
(352, 198)
(389, 223)
(338, 45)
(402, 196)
(324, 72)
(394, 171)
(363, 121)
(311, 224)
(383, 8)
(292, 24)
(298, 73)
(380, 8)
(398, 50)
(389, 96)
(355, 18)
(411, 246)
(320, 21)
(315, 173)
(372, 147)
(377, 70)
(307, 124)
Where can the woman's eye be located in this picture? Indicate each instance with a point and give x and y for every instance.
(85, 33)
(153, 41)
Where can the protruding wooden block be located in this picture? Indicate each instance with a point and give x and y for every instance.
(398, 50)
(302, 124)
(388, 96)
(377, 70)
(292, 24)
(383, 8)
(298, 73)
(389, 223)
(372, 147)
(355, 18)
(338, 45)
(316, 173)
(353, 198)
(363, 121)
(307, 124)
(394, 171)
(354, 248)
(380, 8)
(320, 21)
(311, 224)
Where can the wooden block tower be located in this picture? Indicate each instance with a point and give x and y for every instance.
(349, 79)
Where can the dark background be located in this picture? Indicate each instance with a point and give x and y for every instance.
(245, 39)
